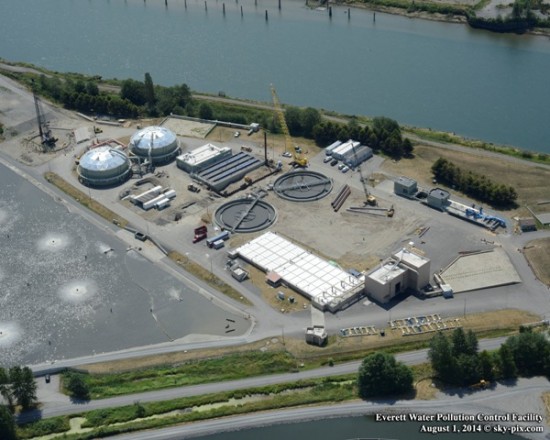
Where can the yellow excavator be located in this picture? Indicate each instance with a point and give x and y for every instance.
(299, 159)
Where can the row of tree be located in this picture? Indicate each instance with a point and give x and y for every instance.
(135, 98)
(17, 387)
(456, 359)
(474, 185)
(84, 96)
(384, 135)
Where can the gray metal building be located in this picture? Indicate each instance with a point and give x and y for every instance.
(357, 157)
(405, 187)
(438, 198)
(230, 170)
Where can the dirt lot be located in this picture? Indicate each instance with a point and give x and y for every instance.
(530, 182)
(537, 253)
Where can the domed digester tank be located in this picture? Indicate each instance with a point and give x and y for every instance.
(158, 144)
(103, 166)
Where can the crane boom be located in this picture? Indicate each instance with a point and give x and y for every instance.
(298, 158)
(369, 198)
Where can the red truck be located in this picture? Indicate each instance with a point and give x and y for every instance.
(200, 234)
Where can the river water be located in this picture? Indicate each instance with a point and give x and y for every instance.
(431, 74)
(348, 428)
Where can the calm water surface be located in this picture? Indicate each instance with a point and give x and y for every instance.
(438, 75)
(357, 428)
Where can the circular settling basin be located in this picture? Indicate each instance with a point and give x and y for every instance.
(303, 186)
(245, 215)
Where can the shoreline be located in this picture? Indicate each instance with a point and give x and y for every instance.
(416, 134)
(443, 18)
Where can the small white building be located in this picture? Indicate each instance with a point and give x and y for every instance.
(403, 270)
(202, 157)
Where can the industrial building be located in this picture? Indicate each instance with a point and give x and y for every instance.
(527, 224)
(345, 150)
(352, 153)
(156, 144)
(405, 187)
(103, 166)
(438, 198)
(360, 155)
(232, 169)
(404, 270)
(202, 157)
(331, 147)
(328, 287)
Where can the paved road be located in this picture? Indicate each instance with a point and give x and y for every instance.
(56, 404)
(482, 402)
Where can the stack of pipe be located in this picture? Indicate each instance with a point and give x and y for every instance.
(343, 194)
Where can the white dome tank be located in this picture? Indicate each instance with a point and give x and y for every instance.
(103, 166)
(158, 142)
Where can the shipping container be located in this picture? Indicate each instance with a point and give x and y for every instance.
(223, 236)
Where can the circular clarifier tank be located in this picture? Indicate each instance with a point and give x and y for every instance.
(245, 215)
(302, 186)
(10, 333)
(78, 291)
(53, 242)
(159, 143)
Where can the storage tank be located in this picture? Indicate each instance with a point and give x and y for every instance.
(159, 143)
(103, 166)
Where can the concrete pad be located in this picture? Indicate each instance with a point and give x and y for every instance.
(183, 127)
(480, 271)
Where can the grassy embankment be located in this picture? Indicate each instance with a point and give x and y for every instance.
(270, 357)
(140, 416)
(109, 215)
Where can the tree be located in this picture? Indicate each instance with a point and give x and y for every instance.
(293, 119)
(531, 352)
(5, 389)
(381, 375)
(205, 111)
(487, 366)
(464, 343)
(441, 357)
(77, 386)
(507, 366)
(149, 91)
(310, 118)
(133, 91)
(23, 386)
(7, 424)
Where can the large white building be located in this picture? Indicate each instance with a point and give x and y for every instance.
(404, 270)
(202, 157)
(327, 286)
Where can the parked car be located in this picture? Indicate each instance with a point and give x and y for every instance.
(287, 154)
(334, 162)
(345, 169)
(327, 159)
(341, 166)
(47, 378)
(237, 134)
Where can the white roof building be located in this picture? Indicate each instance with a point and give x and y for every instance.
(327, 286)
(199, 158)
